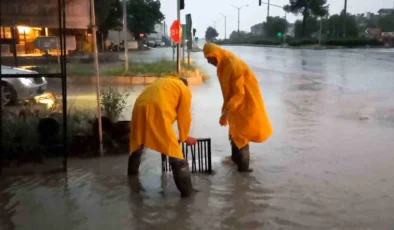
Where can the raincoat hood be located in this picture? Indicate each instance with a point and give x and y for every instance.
(213, 50)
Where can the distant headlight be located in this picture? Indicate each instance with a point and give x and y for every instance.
(26, 81)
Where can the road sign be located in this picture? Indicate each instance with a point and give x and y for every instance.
(195, 38)
(176, 31)
(189, 31)
(46, 43)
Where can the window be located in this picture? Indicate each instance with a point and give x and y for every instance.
(5, 32)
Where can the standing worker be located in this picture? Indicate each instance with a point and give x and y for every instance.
(154, 112)
(243, 106)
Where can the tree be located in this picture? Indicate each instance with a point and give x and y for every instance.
(307, 8)
(273, 26)
(308, 30)
(102, 9)
(235, 35)
(211, 34)
(386, 23)
(142, 15)
(335, 26)
(109, 18)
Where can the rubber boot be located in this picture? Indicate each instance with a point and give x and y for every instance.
(134, 162)
(234, 151)
(182, 176)
(243, 159)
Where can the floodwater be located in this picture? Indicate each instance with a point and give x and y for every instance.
(328, 165)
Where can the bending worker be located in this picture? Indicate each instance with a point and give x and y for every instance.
(154, 112)
(243, 107)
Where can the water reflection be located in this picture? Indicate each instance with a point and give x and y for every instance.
(322, 169)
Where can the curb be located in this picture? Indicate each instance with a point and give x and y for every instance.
(194, 77)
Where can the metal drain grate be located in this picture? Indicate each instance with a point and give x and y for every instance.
(198, 155)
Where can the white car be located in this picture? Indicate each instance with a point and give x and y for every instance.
(22, 88)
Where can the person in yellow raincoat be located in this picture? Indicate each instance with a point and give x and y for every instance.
(155, 110)
(243, 106)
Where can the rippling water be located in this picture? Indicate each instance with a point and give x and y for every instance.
(324, 167)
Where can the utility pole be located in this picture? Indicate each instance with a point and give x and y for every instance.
(239, 9)
(344, 19)
(125, 43)
(178, 48)
(225, 26)
(98, 96)
(268, 8)
(214, 25)
(282, 7)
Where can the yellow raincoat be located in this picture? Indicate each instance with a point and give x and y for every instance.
(242, 99)
(155, 111)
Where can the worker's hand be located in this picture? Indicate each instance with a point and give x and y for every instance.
(223, 119)
(191, 141)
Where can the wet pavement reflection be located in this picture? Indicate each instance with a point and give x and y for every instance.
(329, 164)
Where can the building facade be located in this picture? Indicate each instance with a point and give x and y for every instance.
(23, 21)
(257, 29)
(160, 32)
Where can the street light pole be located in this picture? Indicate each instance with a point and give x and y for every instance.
(225, 26)
(98, 96)
(321, 23)
(125, 43)
(268, 10)
(239, 9)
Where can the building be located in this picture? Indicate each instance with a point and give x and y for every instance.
(23, 21)
(384, 12)
(370, 15)
(257, 29)
(373, 33)
(160, 32)
(116, 38)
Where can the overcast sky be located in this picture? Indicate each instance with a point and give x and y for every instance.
(205, 12)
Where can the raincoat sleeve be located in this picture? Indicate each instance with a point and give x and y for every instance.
(237, 87)
(184, 114)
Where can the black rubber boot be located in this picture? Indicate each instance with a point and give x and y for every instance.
(134, 162)
(243, 159)
(182, 176)
(234, 151)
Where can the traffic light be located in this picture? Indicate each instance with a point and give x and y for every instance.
(194, 32)
(182, 4)
(259, 2)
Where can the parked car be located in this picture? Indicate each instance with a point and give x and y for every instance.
(155, 44)
(22, 88)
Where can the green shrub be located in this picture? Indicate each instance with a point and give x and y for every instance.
(303, 42)
(354, 42)
(113, 102)
(348, 42)
(20, 135)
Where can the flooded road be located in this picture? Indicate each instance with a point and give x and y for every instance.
(329, 164)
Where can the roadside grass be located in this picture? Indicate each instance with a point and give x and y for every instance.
(156, 68)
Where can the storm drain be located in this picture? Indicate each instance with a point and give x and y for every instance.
(198, 155)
